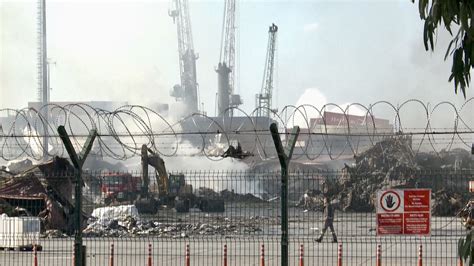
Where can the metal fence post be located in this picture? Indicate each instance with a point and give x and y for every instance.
(284, 156)
(77, 161)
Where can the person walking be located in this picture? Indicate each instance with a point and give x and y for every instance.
(328, 221)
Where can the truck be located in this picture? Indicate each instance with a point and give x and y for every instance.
(119, 187)
(172, 189)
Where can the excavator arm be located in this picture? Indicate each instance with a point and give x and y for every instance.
(175, 191)
(151, 158)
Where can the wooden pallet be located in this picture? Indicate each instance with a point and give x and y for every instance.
(22, 248)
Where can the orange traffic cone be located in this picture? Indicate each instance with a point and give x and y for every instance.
(150, 263)
(225, 255)
(379, 255)
(111, 259)
(188, 256)
(339, 255)
(301, 255)
(35, 256)
(420, 256)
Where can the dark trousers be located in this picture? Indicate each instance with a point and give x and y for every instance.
(328, 224)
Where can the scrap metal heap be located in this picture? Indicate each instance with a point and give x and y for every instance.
(122, 221)
(43, 190)
(391, 163)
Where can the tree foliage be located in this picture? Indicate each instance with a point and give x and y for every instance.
(466, 248)
(456, 15)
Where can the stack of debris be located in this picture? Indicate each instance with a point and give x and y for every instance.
(19, 166)
(4, 173)
(455, 159)
(390, 156)
(312, 200)
(231, 196)
(53, 233)
(447, 202)
(122, 221)
(391, 164)
(227, 195)
(110, 221)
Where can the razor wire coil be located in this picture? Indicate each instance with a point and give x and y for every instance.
(122, 131)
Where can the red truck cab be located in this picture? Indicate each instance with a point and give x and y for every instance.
(119, 187)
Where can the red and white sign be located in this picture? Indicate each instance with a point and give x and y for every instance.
(404, 212)
(389, 223)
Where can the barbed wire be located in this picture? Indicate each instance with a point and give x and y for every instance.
(332, 130)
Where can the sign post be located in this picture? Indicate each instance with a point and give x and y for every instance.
(404, 212)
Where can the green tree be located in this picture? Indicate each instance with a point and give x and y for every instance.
(466, 248)
(456, 15)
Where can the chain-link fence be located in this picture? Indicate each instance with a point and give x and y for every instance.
(207, 210)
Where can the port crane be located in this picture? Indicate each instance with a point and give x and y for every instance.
(187, 91)
(226, 67)
(264, 98)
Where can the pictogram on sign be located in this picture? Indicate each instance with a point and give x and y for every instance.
(390, 201)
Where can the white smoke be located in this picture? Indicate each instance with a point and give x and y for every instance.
(314, 97)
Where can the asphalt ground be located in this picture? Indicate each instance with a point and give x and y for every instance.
(356, 233)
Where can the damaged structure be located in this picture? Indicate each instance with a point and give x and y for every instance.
(43, 190)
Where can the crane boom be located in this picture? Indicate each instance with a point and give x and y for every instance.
(188, 89)
(226, 66)
(227, 54)
(264, 99)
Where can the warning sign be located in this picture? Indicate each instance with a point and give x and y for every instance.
(416, 223)
(403, 211)
(389, 223)
(417, 200)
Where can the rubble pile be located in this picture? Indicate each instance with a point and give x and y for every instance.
(447, 202)
(19, 166)
(53, 233)
(5, 174)
(390, 156)
(231, 196)
(391, 164)
(124, 221)
(311, 200)
(455, 159)
(227, 195)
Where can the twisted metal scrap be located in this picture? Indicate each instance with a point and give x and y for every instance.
(121, 132)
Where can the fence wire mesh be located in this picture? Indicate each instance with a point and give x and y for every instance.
(250, 218)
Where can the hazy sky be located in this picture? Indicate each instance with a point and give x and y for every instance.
(346, 51)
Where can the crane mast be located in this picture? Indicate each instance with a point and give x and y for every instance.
(226, 67)
(187, 91)
(264, 99)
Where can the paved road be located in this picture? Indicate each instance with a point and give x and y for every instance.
(355, 231)
(240, 252)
